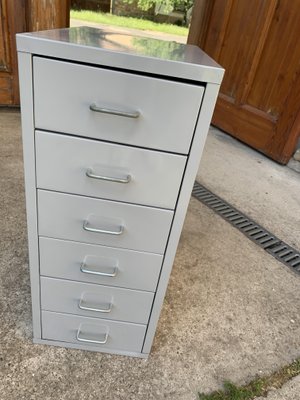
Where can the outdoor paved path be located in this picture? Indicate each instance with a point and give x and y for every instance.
(266, 191)
(231, 310)
(128, 31)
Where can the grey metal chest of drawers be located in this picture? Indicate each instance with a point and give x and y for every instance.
(113, 131)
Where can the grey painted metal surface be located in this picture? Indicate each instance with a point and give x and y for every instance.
(142, 228)
(65, 328)
(64, 93)
(205, 116)
(130, 269)
(101, 47)
(26, 91)
(102, 252)
(154, 177)
(96, 301)
(94, 348)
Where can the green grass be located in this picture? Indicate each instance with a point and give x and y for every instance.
(258, 387)
(233, 392)
(128, 22)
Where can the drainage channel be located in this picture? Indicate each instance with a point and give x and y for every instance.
(255, 232)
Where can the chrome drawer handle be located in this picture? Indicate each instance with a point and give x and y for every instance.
(88, 308)
(97, 230)
(90, 174)
(84, 268)
(86, 340)
(104, 110)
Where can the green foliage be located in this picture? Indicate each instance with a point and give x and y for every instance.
(233, 392)
(167, 5)
(128, 22)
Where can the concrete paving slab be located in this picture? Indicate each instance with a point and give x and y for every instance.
(294, 165)
(231, 312)
(266, 191)
(289, 391)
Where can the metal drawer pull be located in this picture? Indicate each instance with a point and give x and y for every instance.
(87, 308)
(82, 339)
(84, 268)
(89, 173)
(104, 110)
(97, 230)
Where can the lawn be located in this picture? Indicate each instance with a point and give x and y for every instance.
(128, 22)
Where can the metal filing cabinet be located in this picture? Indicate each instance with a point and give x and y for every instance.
(113, 131)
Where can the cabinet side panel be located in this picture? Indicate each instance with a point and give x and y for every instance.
(205, 115)
(25, 76)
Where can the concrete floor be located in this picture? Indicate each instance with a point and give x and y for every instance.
(266, 191)
(289, 391)
(231, 310)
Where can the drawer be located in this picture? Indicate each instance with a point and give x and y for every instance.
(109, 171)
(94, 332)
(161, 114)
(95, 300)
(99, 264)
(96, 221)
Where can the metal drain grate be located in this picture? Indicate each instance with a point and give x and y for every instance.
(255, 232)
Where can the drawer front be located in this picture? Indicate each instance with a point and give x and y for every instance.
(64, 93)
(99, 264)
(134, 175)
(94, 332)
(95, 221)
(95, 300)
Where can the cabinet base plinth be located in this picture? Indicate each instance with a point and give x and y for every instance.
(89, 348)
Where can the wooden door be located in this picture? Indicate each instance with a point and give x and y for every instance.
(47, 14)
(12, 20)
(258, 44)
(20, 16)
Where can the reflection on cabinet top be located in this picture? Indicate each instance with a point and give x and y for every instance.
(119, 50)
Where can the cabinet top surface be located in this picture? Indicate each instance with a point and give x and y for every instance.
(121, 50)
